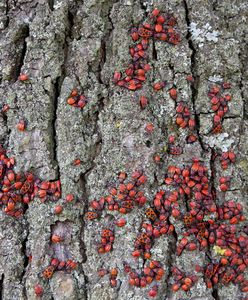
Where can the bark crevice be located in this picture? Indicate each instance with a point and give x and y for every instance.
(25, 263)
(57, 84)
(194, 70)
(21, 42)
(1, 286)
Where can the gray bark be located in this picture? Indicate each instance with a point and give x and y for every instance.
(70, 44)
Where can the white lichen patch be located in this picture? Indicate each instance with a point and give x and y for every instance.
(215, 78)
(203, 34)
(57, 5)
(222, 141)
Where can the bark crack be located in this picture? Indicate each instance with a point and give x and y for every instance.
(51, 4)
(57, 89)
(194, 91)
(1, 286)
(56, 93)
(25, 263)
(172, 247)
(7, 14)
(21, 57)
(194, 71)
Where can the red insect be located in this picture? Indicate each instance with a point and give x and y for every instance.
(48, 272)
(149, 128)
(23, 77)
(151, 214)
(38, 289)
(56, 239)
(173, 93)
(158, 86)
(143, 102)
(21, 126)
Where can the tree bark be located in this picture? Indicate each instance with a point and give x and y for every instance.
(69, 44)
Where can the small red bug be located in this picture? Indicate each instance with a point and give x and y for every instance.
(117, 76)
(143, 101)
(134, 34)
(21, 126)
(56, 239)
(5, 108)
(173, 93)
(91, 215)
(38, 289)
(23, 77)
(48, 272)
(151, 214)
(69, 198)
(149, 128)
(155, 13)
(121, 222)
(58, 209)
(71, 101)
(158, 86)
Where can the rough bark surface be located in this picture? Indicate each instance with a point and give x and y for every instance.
(70, 44)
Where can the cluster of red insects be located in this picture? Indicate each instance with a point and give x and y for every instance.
(184, 120)
(203, 228)
(77, 100)
(55, 265)
(122, 198)
(204, 225)
(112, 275)
(159, 27)
(181, 280)
(227, 158)
(107, 241)
(149, 275)
(17, 190)
(21, 188)
(219, 101)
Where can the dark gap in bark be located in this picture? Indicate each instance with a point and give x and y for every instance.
(143, 5)
(154, 51)
(51, 4)
(85, 200)
(1, 287)
(241, 85)
(56, 93)
(245, 103)
(57, 89)
(171, 67)
(5, 138)
(71, 23)
(172, 247)
(195, 85)
(25, 208)
(186, 200)
(213, 192)
(213, 172)
(215, 4)
(21, 42)
(86, 285)
(215, 294)
(7, 14)
(148, 144)
(105, 41)
(231, 117)
(25, 263)
(83, 183)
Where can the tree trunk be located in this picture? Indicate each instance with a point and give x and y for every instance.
(71, 44)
